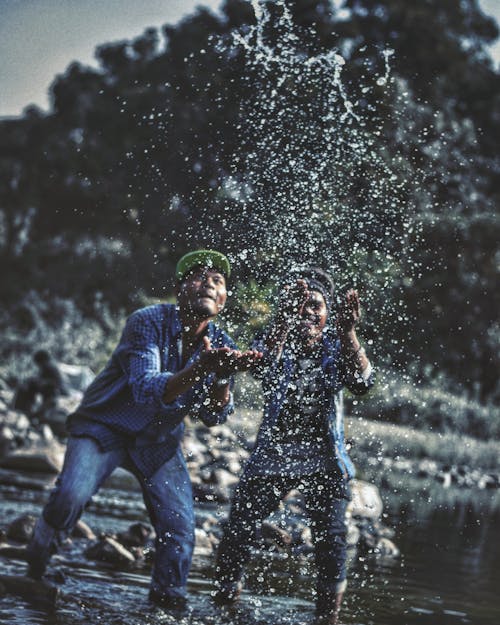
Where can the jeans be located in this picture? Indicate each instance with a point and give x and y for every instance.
(167, 495)
(256, 497)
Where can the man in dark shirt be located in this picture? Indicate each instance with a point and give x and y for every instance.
(171, 361)
(48, 385)
(306, 362)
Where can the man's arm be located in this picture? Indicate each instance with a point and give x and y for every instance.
(223, 362)
(291, 302)
(358, 369)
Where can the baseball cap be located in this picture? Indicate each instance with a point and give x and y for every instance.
(202, 258)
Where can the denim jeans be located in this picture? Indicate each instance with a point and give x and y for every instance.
(256, 497)
(167, 495)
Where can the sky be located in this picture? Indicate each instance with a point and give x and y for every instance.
(40, 38)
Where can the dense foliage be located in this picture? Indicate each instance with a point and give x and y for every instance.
(144, 158)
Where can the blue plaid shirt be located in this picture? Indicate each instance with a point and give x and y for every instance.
(124, 407)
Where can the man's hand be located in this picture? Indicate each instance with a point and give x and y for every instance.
(349, 312)
(291, 301)
(224, 361)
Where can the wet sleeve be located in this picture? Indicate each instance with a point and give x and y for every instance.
(143, 360)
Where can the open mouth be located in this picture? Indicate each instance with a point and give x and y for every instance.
(206, 296)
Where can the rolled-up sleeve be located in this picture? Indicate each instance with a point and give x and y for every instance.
(360, 383)
(143, 359)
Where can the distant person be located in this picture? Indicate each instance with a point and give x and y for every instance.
(172, 360)
(41, 391)
(310, 352)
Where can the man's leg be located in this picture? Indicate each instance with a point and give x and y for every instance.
(85, 468)
(326, 502)
(169, 500)
(255, 498)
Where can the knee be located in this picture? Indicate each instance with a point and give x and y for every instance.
(65, 507)
(180, 525)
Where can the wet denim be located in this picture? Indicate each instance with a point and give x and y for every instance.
(256, 497)
(167, 495)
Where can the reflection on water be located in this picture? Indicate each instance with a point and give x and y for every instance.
(448, 573)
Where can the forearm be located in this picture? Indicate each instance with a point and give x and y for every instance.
(353, 352)
(182, 381)
(219, 393)
(276, 336)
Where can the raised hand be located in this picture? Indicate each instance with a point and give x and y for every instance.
(292, 300)
(224, 361)
(349, 312)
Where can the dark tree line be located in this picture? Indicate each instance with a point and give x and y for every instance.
(133, 162)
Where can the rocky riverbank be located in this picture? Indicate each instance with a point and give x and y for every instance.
(215, 457)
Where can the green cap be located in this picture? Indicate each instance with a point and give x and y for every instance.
(202, 258)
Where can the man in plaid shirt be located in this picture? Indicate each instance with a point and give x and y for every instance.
(172, 360)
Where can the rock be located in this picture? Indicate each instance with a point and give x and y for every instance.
(486, 481)
(47, 433)
(427, 468)
(203, 542)
(366, 501)
(77, 377)
(137, 535)
(353, 535)
(224, 478)
(15, 553)
(16, 420)
(122, 479)
(31, 589)
(82, 530)
(445, 478)
(386, 548)
(110, 550)
(7, 440)
(55, 415)
(39, 458)
(21, 528)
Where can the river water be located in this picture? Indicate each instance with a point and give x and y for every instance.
(448, 572)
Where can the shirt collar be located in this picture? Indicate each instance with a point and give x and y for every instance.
(177, 326)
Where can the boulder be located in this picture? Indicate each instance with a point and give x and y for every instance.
(109, 550)
(77, 377)
(38, 458)
(203, 542)
(137, 535)
(386, 548)
(21, 528)
(366, 501)
(82, 530)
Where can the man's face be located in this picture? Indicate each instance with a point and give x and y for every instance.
(202, 292)
(313, 318)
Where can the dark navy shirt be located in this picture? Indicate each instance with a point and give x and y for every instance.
(283, 447)
(124, 407)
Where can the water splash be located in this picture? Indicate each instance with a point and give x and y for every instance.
(316, 182)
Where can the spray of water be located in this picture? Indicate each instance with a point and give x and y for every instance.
(315, 184)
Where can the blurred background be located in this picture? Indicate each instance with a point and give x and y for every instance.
(123, 144)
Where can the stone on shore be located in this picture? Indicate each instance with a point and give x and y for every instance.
(110, 550)
(38, 459)
(366, 501)
(20, 529)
